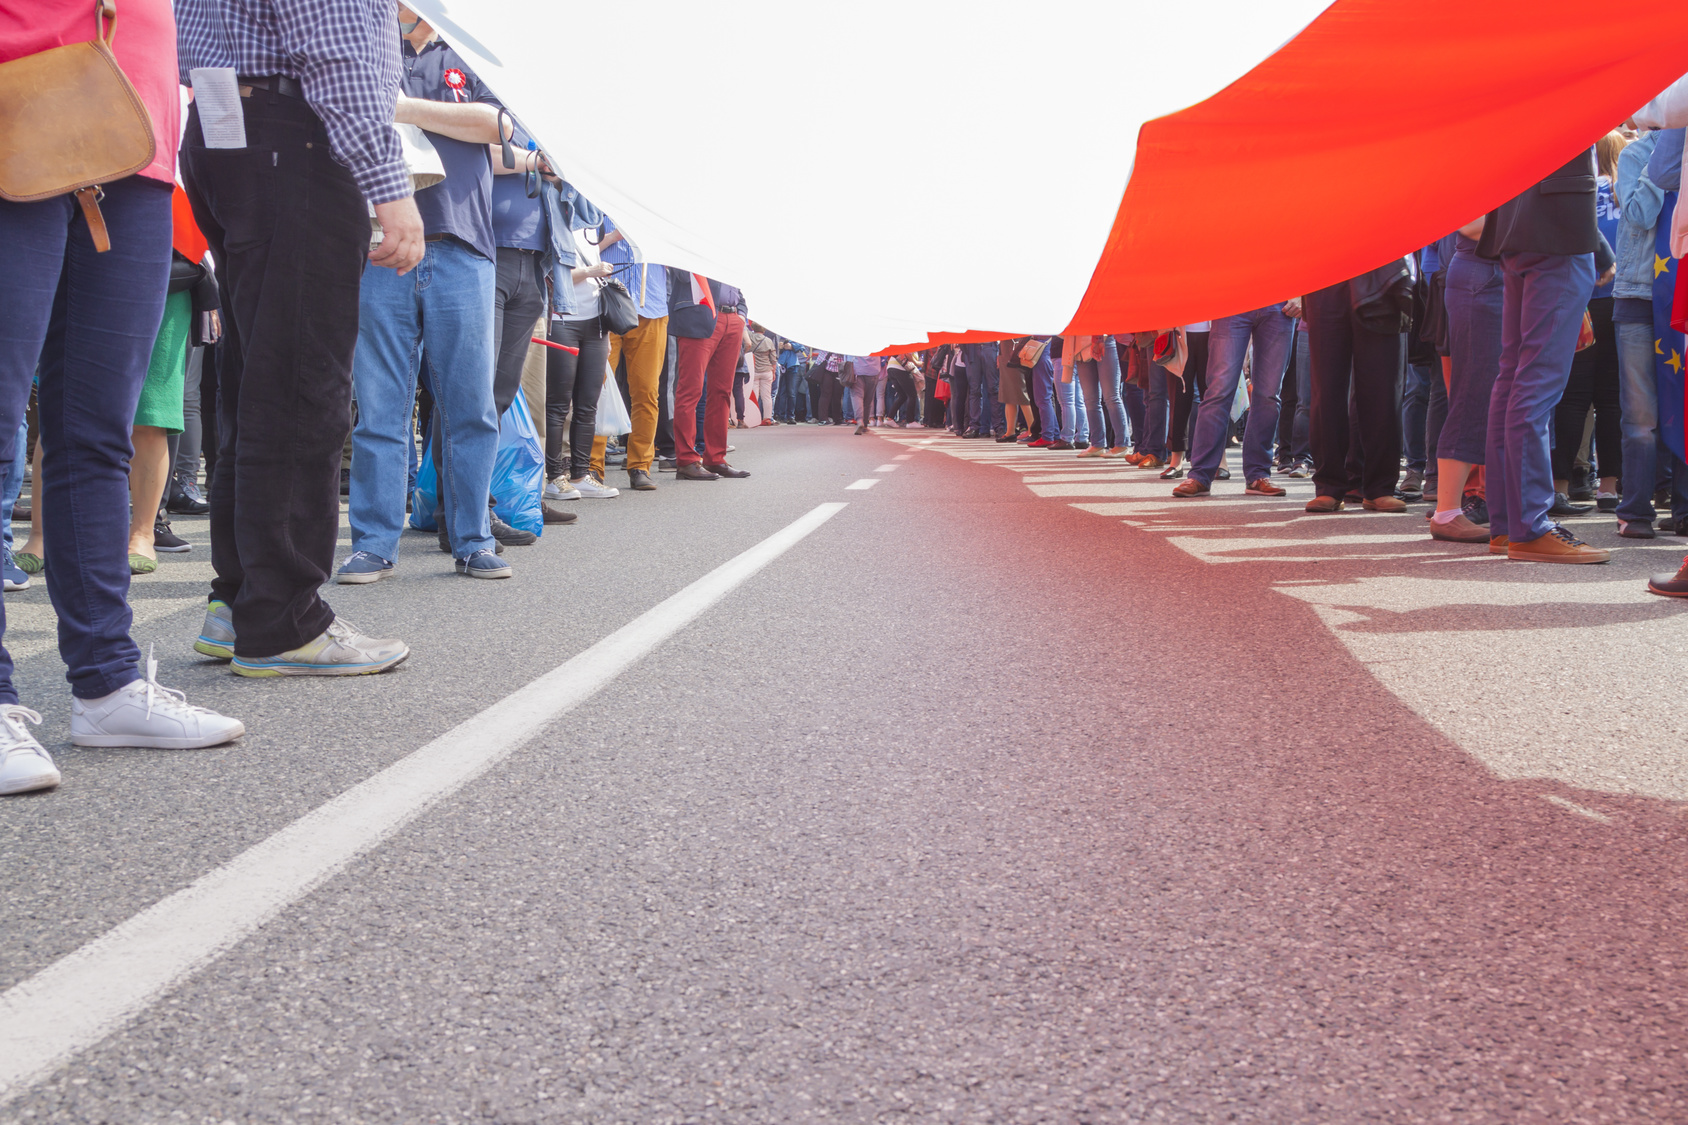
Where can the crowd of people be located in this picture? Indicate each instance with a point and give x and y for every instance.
(347, 270)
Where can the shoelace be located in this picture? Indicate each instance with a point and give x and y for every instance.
(1565, 537)
(157, 692)
(12, 717)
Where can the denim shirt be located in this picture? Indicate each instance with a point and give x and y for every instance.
(1639, 200)
(566, 211)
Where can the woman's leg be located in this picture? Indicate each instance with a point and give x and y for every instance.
(149, 468)
(588, 385)
(36, 548)
(560, 368)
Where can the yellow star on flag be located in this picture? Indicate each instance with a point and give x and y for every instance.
(1657, 350)
(1674, 362)
(1660, 265)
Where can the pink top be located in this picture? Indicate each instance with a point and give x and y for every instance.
(145, 46)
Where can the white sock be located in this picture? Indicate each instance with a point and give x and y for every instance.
(1448, 516)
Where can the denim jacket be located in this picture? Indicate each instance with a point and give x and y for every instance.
(566, 211)
(1639, 200)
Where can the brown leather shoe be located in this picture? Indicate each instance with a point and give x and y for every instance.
(726, 470)
(1557, 546)
(1670, 585)
(1149, 461)
(1263, 487)
(1384, 504)
(691, 470)
(1325, 504)
(1459, 530)
(1191, 487)
(1498, 544)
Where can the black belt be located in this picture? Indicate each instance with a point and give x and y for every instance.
(277, 83)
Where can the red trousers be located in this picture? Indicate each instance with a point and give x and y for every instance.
(717, 359)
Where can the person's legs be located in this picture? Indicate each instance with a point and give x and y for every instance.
(560, 369)
(589, 374)
(518, 298)
(1271, 331)
(1113, 402)
(1156, 415)
(765, 394)
(729, 330)
(1378, 362)
(1136, 413)
(457, 353)
(644, 349)
(1330, 347)
(384, 375)
(1301, 447)
(1638, 397)
(1570, 415)
(1066, 421)
(1608, 421)
(1227, 347)
(105, 320)
(185, 463)
(149, 468)
(289, 230)
(1435, 417)
(1415, 402)
(1553, 291)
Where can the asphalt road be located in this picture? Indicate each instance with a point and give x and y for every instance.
(1015, 792)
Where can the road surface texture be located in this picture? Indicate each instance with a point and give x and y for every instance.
(1016, 791)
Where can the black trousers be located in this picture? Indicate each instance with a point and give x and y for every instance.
(1594, 381)
(959, 387)
(664, 421)
(823, 387)
(517, 303)
(290, 233)
(901, 401)
(1193, 383)
(1346, 356)
(572, 385)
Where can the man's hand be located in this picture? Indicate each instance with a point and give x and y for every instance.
(1292, 307)
(401, 248)
(1606, 278)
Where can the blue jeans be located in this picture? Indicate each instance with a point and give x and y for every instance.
(1099, 379)
(1638, 406)
(1135, 413)
(987, 415)
(89, 321)
(1415, 402)
(1054, 400)
(1540, 319)
(441, 310)
(1272, 333)
(13, 472)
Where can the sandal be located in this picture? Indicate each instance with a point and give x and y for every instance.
(30, 564)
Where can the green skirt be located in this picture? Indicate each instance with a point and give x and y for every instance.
(161, 394)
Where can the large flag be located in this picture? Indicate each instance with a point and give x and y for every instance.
(1668, 350)
(888, 171)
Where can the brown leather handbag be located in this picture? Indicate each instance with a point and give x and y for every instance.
(73, 122)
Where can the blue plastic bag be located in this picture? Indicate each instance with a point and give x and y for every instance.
(518, 475)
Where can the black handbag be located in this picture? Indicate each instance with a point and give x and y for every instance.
(620, 314)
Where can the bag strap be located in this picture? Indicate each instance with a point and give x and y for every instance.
(105, 10)
(90, 197)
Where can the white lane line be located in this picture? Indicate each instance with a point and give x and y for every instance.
(903, 457)
(78, 1000)
(887, 468)
(862, 485)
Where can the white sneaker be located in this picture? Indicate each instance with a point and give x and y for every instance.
(340, 650)
(147, 714)
(555, 490)
(591, 488)
(24, 764)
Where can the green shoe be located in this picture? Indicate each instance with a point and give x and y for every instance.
(140, 564)
(30, 564)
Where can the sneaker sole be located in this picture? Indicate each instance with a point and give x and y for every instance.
(14, 586)
(507, 572)
(183, 549)
(267, 671)
(141, 742)
(362, 577)
(1267, 495)
(1568, 560)
(207, 646)
(43, 780)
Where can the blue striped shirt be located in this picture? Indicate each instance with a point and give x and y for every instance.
(344, 53)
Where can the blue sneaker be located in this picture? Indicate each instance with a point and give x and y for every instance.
(16, 578)
(216, 635)
(484, 564)
(363, 567)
